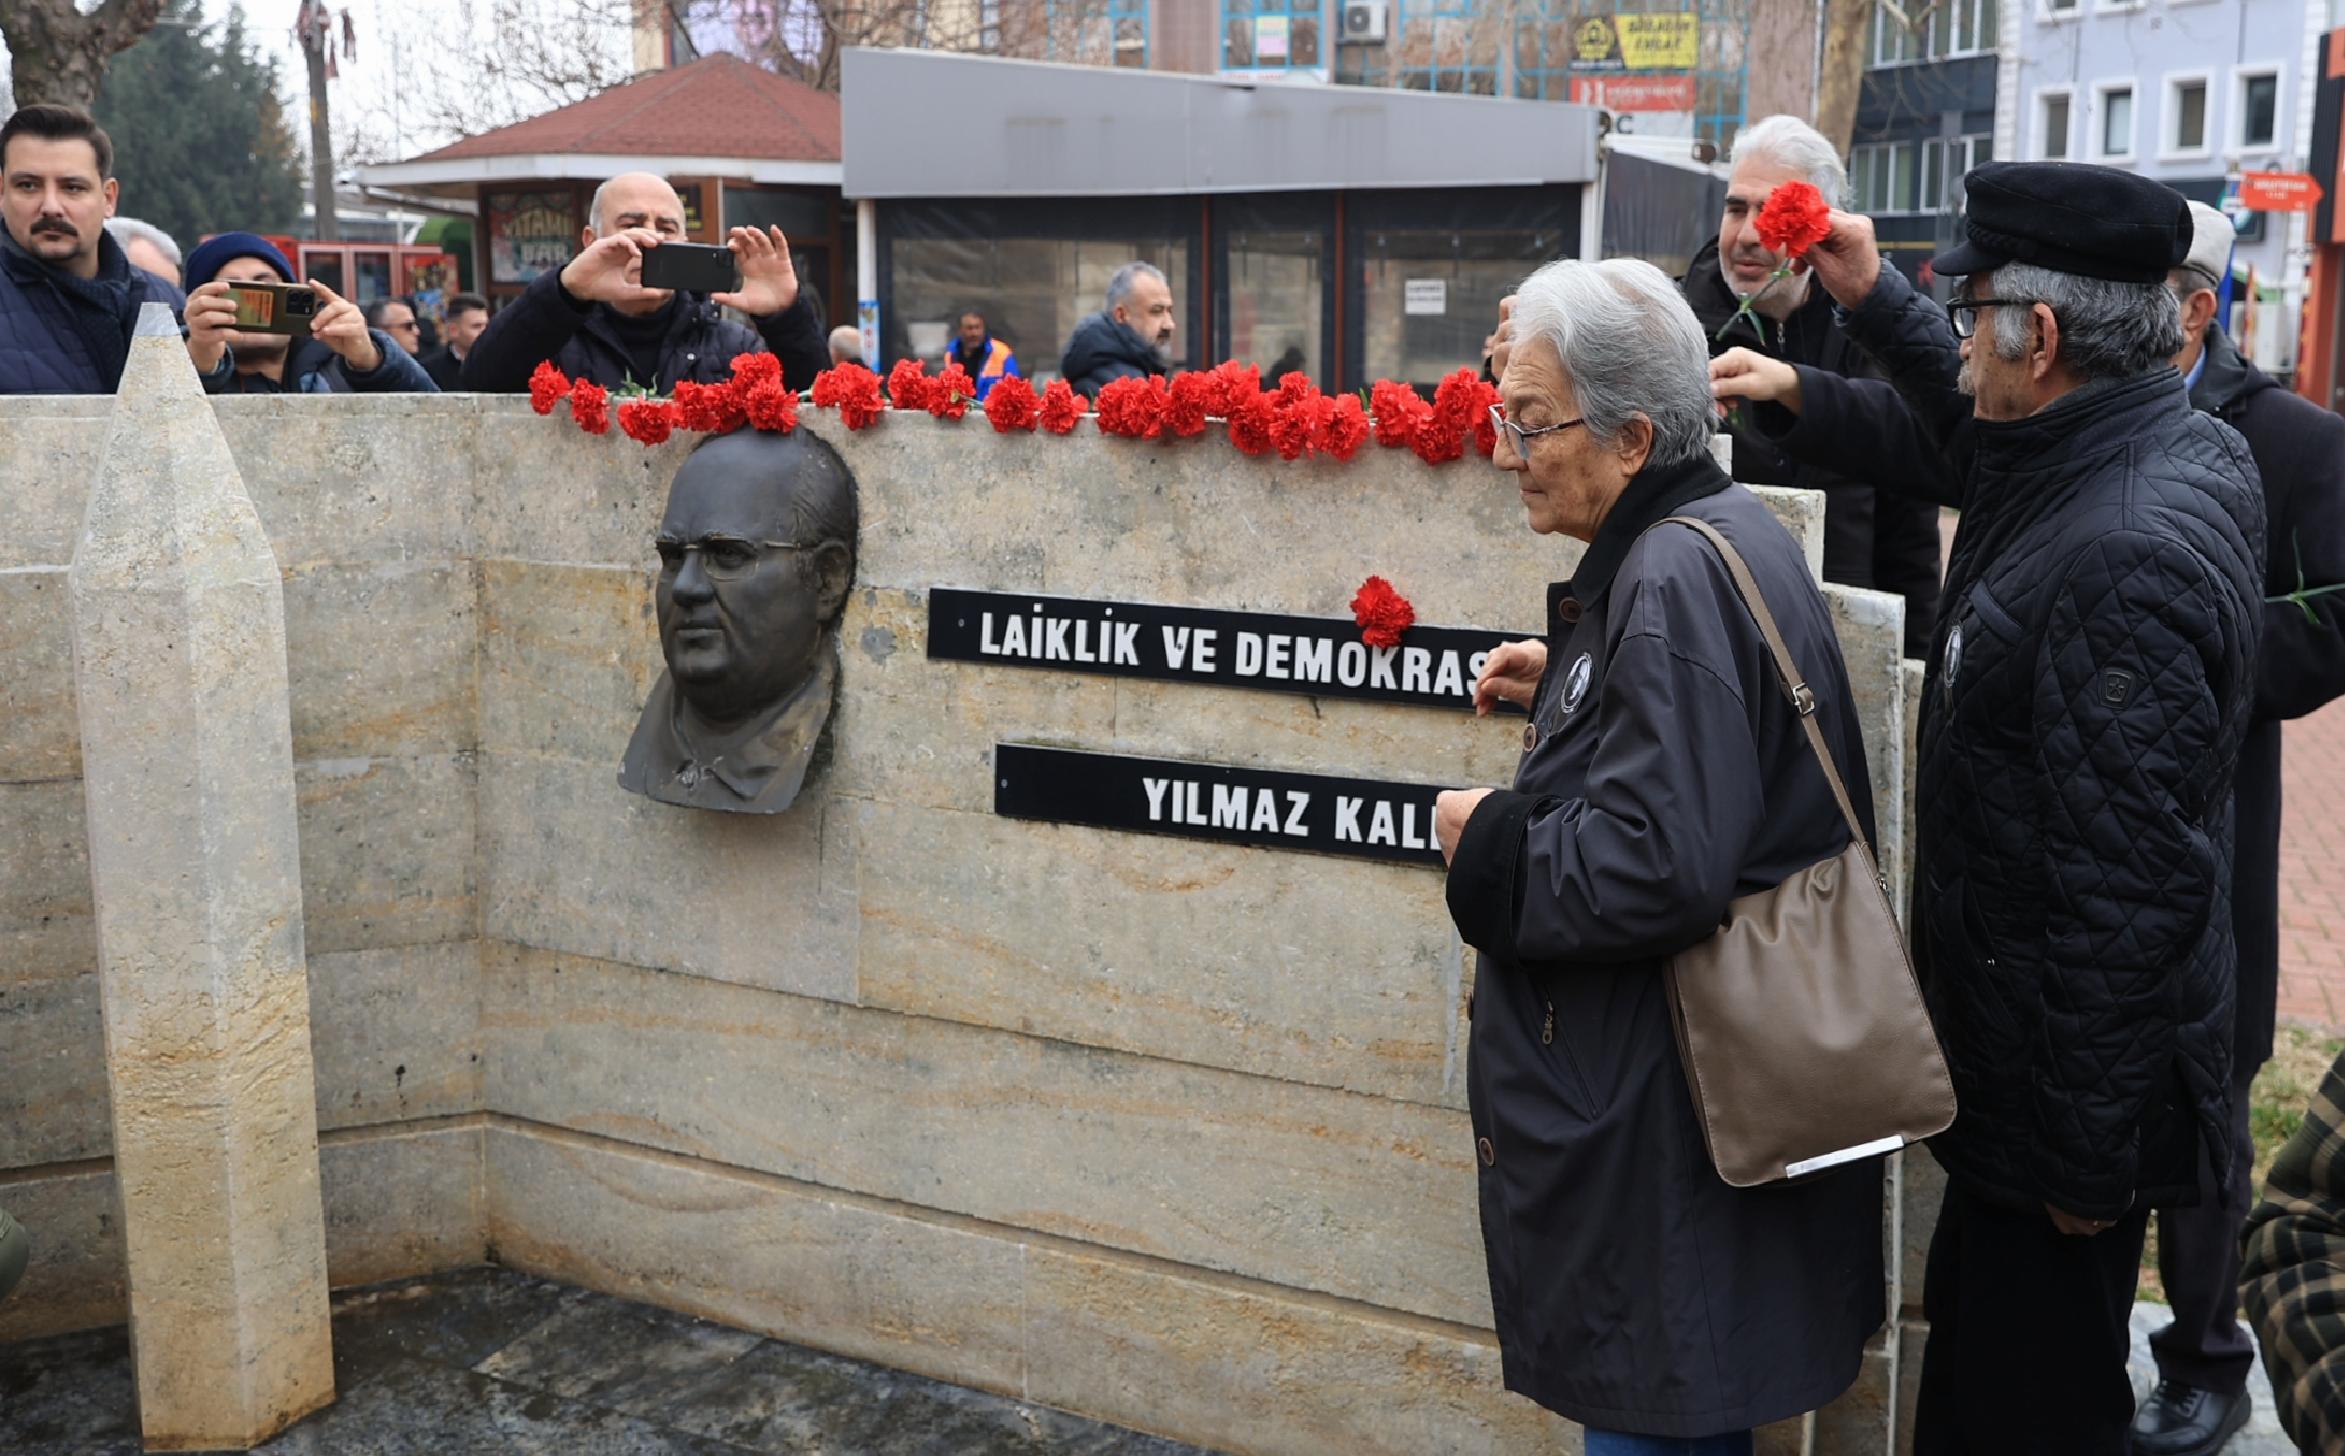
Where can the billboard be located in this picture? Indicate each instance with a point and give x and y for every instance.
(1611, 43)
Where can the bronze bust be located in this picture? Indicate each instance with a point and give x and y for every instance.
(756, 555)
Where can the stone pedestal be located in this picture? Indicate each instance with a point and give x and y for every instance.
(179, 663)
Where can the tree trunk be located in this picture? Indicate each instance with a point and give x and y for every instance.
(321, 146)
(58, 55)
(1843, 71)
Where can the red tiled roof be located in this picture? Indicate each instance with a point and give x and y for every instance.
(718, 106)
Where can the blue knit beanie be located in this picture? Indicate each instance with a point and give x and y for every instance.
(213, 254)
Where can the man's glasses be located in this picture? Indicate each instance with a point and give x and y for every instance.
(724, 558)
(1519, 437)
(1963, 313)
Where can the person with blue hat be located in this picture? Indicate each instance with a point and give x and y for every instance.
(2091, 683)
(338, 355)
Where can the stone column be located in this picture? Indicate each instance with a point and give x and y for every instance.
(195, 864)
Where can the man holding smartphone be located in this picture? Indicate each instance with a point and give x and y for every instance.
(336, 353)
(597, 318)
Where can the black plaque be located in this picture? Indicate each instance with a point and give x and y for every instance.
(1266, 808)
(1321, 656)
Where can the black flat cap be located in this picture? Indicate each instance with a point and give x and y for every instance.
(2070, 217)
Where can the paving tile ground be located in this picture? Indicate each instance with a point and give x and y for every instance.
(487, 1362)
(2312, 870)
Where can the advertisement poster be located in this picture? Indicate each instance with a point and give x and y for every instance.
(1671, 42)
(530, 233)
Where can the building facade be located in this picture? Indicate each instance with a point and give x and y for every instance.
(1925, 116)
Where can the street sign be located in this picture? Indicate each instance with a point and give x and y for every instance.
(2278, 192)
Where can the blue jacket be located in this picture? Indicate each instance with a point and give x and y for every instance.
(990, 368)
(312, 368)
(65, 335)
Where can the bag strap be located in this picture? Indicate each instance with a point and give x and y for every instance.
(1803, 698)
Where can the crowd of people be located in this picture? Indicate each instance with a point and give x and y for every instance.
(2111, 651)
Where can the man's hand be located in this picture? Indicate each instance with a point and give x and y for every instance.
(1500, 342)
(211, 317)
(1450, 813)
(1510, 675)
(611, 270)
(2081, 1228)
(341, 327)
(1848, 261)
(1749, 374)
(769, 280)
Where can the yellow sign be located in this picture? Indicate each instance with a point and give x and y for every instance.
(1593, 41)
(1660, 42)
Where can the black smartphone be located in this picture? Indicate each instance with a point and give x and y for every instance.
(274, 308)
(692, 267)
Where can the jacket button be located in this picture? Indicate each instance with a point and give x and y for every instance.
(1568, 610)
(1489, 1153)
(1530, 736)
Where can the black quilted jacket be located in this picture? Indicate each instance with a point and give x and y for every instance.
(2089, 689)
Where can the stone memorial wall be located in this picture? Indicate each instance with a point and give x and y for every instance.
(1166, 1128)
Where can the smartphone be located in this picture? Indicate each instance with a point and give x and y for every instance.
(274, 308)
(692, 267)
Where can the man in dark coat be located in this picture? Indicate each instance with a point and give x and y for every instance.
(1884, 540)
(69, 297)
(595, 320)
(1126, 340)
(2089, 690)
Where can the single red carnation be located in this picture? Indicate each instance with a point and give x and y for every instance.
(859, 401)
(1397, 408)
(951, 392)
(1296, 385)
(1344, 429)
(1297, 421)
(1383, 614)
(1458, 398)
(590, 407)
(651, 421)
(1011, 405)
(1188, 401)
(1250, 423)
(1236, 385)
(774, 408)
(1062, 408)
(1132, 407)
(712, 409)
(548, 386)
(1793, 219)
(909, 386)
(1436, 440)
(752, 370)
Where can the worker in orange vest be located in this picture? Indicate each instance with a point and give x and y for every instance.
(987, 358)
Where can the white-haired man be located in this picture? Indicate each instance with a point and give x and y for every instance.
(595, 319)
(1884, 540)
(149, 248)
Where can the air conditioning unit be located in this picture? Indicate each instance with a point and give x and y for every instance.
(1364, 21)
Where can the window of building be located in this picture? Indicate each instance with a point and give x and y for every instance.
(2185, 131)
(1096, 32)
(1964, 153)
(1933, 32)
(2053, 113)
(1883, 176)
(2059, 9)
(2257, 104)
(1270, 35)
(1275, 290)
(1444, 45)
(2114, 120)
(989, 25)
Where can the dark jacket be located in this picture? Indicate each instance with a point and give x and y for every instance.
(545, 322)
(1885, 540)
(1101, 350)
(2299, 451)
(445, 369)
(993, 364)
(2088, 694)
(65, 335)
(1667, 774)
(2292, 1284)
(312, 368)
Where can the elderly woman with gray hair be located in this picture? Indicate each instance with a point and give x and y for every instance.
(1664, 774)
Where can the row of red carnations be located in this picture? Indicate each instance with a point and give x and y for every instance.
(1295, 419)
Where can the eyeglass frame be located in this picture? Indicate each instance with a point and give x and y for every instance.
(1956, 311)
(661, 544)
(1520, 437)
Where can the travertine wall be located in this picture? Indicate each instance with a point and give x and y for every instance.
(1166, 1132)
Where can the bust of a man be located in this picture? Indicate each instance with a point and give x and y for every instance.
(756, 554)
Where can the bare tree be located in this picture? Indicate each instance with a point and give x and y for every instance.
(806, 38)
(57, 53)
(1842, 73)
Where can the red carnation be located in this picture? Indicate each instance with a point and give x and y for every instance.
(1132, 407)
(950, 392)
(1397, 408)
(1189, 400)
(1458, 398)
(1793, 219)
(1062, 408)
(648, 420)
(752, 370)
(1296, 385)
(548, 386)
(1250, 423)
(712, 409)
(774, 408)
(1011, 405)
(1235, 385)
(909, 385)
(1436, 440)
(1383, 614)
(859, 401)
(1344, 429)
(590, 407)
(1298, 420)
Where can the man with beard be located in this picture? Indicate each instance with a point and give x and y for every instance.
(338, 355)
(1884, 540)
(69, 297)
(1129, 339)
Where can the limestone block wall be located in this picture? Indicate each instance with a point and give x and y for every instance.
(1167, 1132)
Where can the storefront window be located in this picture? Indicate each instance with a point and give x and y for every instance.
(1429, 270)
(1032, 291)
(1277, 287)
(529, 233)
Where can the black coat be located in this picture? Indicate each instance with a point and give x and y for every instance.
(2088, 695)
(2299, 451)
(1101, 351)
(1885, 540)
(545, 322)
(1634, 1289)
(65, 335)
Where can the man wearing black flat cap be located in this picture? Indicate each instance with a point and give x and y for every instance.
(2090, 684)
